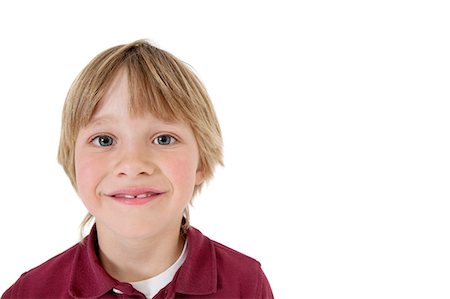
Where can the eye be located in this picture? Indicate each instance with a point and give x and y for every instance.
(103, 140)
(164, 140)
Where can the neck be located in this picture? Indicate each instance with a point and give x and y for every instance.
(130, 260)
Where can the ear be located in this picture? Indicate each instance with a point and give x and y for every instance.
(199, 177)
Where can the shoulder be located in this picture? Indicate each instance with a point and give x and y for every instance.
(52, 275)
(222, 251)
(237, 274)
(239, 271)
(227, 257)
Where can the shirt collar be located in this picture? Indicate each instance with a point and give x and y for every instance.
(88, 278)
(197, 275)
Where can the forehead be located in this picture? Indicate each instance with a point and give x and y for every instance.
(116, 98)
(117, 120)
(122, 98)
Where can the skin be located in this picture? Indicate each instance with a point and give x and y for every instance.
(136, 241)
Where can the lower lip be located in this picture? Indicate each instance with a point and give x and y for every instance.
(137, 201)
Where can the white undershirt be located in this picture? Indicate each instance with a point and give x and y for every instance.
(150, 287)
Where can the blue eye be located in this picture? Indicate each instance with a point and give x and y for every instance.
(164, 140)
(103, 140)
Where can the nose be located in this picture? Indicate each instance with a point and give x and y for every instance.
(134, 161)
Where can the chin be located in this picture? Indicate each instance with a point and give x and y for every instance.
(140, 229)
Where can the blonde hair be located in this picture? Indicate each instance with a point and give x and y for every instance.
(159, 83)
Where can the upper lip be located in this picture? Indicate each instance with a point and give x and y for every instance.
(133, 191)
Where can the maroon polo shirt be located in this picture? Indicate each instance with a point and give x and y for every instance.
(211, 270)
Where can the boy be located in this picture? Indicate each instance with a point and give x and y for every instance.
(139, 138)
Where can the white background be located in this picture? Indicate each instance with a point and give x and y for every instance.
(336, 125)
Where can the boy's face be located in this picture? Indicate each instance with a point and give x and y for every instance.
(135, 174)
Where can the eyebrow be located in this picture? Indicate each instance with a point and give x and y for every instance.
(108, 119)
(98, 120)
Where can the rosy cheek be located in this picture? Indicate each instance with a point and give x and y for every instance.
(182, 171)
(86, 168)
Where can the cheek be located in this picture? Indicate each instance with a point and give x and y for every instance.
(87, 173)
(182, 172)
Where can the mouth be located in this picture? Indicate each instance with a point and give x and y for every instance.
(135, 196)
(130, 196)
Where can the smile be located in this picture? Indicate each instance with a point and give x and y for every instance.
(135, 196)
(142, 195)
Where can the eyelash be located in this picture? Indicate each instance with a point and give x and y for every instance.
(172, 139)
(96, 140)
